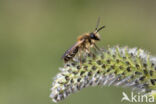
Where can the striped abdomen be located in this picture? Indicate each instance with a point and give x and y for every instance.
(69, 54)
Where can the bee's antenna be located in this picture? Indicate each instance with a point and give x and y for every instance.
(100, 28)
(97, 24)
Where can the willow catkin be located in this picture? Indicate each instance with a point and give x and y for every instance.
(125, 67)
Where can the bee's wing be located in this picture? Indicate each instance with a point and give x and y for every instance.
(72, 48)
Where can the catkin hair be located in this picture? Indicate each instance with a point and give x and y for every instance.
(118, 66)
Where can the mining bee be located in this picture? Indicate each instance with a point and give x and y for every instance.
(83, 44)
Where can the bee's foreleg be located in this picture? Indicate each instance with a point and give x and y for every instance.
(96, 47)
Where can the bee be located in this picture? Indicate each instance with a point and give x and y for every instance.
(83, 44)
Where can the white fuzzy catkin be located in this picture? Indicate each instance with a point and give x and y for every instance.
(125, 67)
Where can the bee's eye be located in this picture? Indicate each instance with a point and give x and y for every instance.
(92, 35)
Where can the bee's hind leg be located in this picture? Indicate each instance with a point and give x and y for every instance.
(80, 57)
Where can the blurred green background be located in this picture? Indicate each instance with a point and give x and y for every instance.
(35, 33)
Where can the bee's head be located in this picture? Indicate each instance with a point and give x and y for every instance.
(95, 35)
